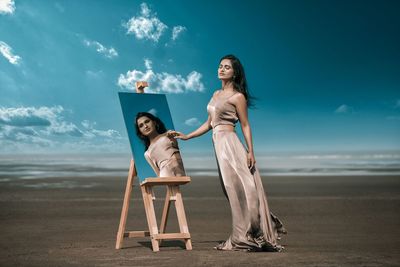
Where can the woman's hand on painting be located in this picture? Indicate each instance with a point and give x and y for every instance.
(171, 133)
(177, 135)
(251, 161)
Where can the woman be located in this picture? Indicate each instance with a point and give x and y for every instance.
(161, 149)
(254, 228)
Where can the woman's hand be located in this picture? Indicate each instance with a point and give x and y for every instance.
(177, 135)
(251, 161)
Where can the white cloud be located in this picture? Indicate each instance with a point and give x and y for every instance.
(29, 116)
(128, 81)
(148, 63)
(64, 128)
(48, 118)
(145, 10)
(162, 82)
(88, 124)
(192, 122)
(15, 133)
(7, 6)
(106, 133)
(7, 52)
(344, 109)
(153, 111)
(92, 74)
(45, 126)
(193, 82)
(107, 52)
(90, 131)
(146, 25)
(176, 31)
(18, 135)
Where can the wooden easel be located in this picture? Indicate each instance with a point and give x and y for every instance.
(173, 194)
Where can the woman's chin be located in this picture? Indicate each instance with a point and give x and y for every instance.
(147, 134)
(224, 78)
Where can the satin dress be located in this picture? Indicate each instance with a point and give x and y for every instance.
(164, 157)
(254, 227)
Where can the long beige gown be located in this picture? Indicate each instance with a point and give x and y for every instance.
(254, 227)
(164, 157)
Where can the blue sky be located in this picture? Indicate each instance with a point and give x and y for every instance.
(326, 74)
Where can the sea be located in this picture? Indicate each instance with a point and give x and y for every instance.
(34, 166)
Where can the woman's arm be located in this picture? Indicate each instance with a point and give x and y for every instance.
(202, 129)
(241, 107)
(205, 127)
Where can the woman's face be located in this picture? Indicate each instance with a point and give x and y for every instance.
(146, 126)
(225, 70)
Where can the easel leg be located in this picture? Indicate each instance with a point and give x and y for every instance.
(151, 215)
(183, 226)
(125, 206)
(165, 213)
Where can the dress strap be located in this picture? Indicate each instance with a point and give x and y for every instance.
(232, 95)
(226, 98)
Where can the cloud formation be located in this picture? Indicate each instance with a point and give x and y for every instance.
(176, 31)
(29, 116)
(45, 127)
(153, 111)
(7, 6)
(91, 132)
(146, 25)
(162, 82)
(21, 135)
(344, 109)
(107, 52)
(7, 52)
(192, 122)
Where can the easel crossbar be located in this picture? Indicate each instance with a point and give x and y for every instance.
(172, 236)
(136, 234)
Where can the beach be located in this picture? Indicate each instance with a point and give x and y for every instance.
(73, 221)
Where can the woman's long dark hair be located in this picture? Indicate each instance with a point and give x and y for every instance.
(239, 78)
(160, 127)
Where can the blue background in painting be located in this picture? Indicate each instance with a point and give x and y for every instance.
(131, 104)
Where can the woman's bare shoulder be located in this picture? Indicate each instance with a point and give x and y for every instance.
(216, 92)
(238, 97)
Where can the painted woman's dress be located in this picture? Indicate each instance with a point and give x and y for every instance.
(254, 227)
(164, 157)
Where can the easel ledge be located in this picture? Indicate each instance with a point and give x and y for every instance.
(178, 180)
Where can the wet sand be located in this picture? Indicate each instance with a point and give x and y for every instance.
(332, 221)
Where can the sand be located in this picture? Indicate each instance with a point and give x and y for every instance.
(332, 221)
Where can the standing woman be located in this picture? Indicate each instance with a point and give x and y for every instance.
(254, 227)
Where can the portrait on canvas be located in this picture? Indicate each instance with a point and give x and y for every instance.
(148, 119)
